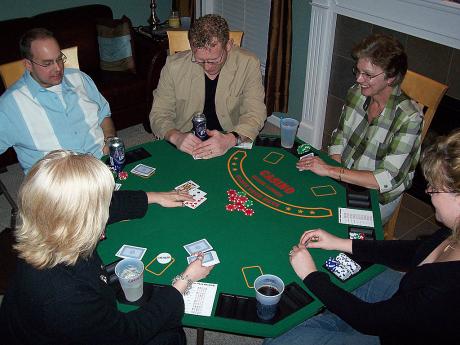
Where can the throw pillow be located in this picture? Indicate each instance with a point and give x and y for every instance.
(116, 44)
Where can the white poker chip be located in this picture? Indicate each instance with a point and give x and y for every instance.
(164, 258)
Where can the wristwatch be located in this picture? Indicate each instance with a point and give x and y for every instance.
(238, 138)
(186, 279)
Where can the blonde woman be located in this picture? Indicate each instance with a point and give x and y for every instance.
(57, 295)
(419, 307)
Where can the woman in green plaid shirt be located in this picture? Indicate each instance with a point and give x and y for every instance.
(378, 137)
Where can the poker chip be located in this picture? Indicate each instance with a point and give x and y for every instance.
(239, 202)
(248, 203)
(331, 264)
(303, 148)
(164, 258)
(230, 207)
(122, 175)
(249, 212)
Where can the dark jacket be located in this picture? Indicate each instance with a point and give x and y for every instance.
(73, 305)
(426, 306)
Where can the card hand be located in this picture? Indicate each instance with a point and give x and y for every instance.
(196, 271)
(319, 238)
(314, 164)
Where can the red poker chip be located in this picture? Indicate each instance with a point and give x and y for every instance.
(230, 207)
(231, 192)
(232, 199)
(241, 208)
(249, 212)
(122, 175)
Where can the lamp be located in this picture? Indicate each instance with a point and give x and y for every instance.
(153, 20)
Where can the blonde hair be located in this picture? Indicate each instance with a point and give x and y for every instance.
(63, 208)
(441, 168)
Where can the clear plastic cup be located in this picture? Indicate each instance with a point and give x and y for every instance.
(288, 131)
(130, 273)
(269, 289)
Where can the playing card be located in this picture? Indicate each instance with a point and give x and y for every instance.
(117, 186)
(197, 193)
(127, 251)
(187, 186)
(198, 246)
(143, 170)
(194, 204)
(311, 154)
(209, 258)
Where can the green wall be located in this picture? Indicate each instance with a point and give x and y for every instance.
(137, 10)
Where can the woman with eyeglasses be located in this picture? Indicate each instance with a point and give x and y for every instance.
(378, 137)
(418, 307)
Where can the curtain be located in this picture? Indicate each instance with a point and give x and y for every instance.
(278, 65)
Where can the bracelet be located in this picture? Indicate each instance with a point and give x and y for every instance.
(186, 279)
(342, 170)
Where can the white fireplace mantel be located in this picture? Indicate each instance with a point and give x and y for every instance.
(433, 20)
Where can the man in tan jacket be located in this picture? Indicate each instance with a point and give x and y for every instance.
(217, 78)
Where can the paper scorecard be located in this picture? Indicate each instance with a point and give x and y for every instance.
(352, 216)
(200, 299)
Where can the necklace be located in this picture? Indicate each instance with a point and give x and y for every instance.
(449, 246)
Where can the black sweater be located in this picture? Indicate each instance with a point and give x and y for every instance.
(425, 308)
(72, 305)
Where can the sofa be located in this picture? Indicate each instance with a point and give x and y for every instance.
(129, 94)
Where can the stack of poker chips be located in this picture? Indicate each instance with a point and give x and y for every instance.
(342, 266)
(239, 202)
(304, 148)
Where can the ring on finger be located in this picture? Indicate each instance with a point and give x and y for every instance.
(291, 252)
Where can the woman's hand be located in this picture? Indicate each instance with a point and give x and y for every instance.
(169, 199)
(301, 261)
(196, 271)
(319, 238)
(315, 165)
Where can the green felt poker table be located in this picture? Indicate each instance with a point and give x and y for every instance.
(286, 202)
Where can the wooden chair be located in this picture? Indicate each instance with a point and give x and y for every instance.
(12, 71)
(178, 40)
(428, 93)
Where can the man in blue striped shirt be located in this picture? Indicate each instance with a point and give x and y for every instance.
(51, 107)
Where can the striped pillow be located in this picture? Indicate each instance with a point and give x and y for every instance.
(116, 45)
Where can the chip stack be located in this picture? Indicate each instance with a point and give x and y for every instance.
(239, 202)
(304, 148)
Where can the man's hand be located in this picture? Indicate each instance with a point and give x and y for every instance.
(185, 142)
(216, 145)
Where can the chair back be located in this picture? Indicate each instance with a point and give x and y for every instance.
(428, 93)
(178, 40)
(12, 71)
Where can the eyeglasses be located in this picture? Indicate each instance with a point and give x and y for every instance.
(60, 60)
(366, 76)
(209, 62)
(429, 190)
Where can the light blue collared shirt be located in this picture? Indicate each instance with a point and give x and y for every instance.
(35, 120)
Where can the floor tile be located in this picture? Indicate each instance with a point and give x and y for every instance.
(407, 220)
(423, 229)
(417, 206)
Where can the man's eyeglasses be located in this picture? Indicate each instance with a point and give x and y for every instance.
(60, 60)
(366, 76)
(209, 62)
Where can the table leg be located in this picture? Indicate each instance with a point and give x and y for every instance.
(199, 336)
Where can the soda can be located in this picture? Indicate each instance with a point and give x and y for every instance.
(117, 154)
(199, 125)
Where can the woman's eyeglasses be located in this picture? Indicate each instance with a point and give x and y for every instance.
(366, 76)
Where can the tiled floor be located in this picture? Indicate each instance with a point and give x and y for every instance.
(416, 218)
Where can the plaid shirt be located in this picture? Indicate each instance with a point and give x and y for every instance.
(389, 146)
